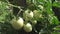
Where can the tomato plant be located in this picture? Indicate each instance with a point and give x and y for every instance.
(29, 17)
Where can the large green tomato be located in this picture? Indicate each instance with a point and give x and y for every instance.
(27, 15)
(28, 27)
(17, 24)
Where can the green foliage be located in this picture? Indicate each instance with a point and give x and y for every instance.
(3, 11)
(56, 4)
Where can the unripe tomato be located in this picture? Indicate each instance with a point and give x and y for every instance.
(34, 22)
(36, 14)
(27, 15)
(17, 24)
(28, 27)
(31, 14)
(41, 7)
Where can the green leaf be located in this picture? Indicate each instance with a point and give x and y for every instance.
(54, 20)
(57, 28)
(55, 32)
(48, 7)
(3, 11)
(56, 4)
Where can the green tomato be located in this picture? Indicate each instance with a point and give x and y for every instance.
(28, 27)
(36, 14)
(17, 24)
(31, 14)
(27, 15)
(41, 7)
(34, 22)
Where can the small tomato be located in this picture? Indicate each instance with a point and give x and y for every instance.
(28, 27)
(17, 24)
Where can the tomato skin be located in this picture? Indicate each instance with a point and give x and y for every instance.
(28, 15)
(17, 24)
(21, 22)
(41, 7)
(36, 13)
(34, 22)
(25, 14)
(31, 14)
(28, 27)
